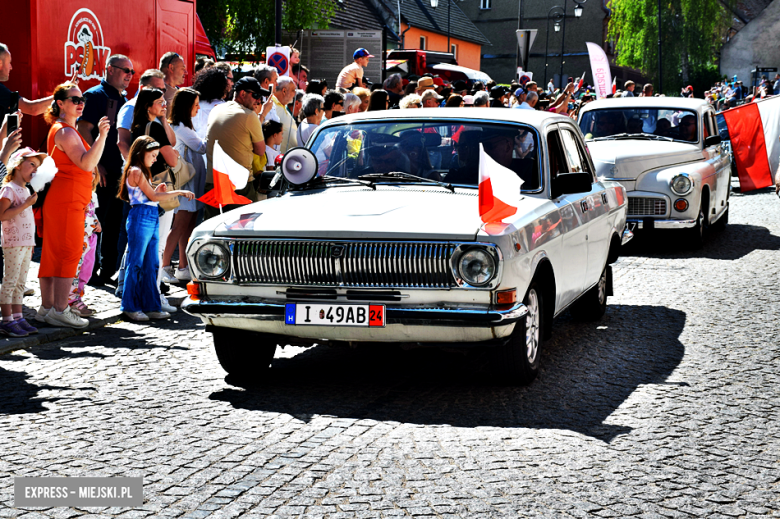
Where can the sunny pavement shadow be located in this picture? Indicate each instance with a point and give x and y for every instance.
(731, 243)
(588, 371)
(19, 396)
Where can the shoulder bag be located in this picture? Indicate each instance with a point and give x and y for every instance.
(174, 177)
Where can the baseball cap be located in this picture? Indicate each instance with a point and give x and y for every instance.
(438, 81)
(250, 84)
(19, 155)
(431, 94)
(468, 100)
(459, 86)
(498, 91)
(519, 92)
(362, 53)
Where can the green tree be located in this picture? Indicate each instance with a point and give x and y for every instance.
(247, 26)
(691, 36)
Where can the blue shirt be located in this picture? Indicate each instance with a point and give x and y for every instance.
(104, 100)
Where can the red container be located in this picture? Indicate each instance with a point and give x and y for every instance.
(48, 39)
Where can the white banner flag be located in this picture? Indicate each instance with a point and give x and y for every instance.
(599, 65)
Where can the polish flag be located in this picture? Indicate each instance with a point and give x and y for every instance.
(229, 175)
(499, 189)
(614, 84)
(754, 129)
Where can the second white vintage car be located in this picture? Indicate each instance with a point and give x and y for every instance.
(376, 237)
(667, 153)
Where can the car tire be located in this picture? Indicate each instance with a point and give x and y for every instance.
(242, 353)
(723, 221)
(519, 356)
(695, 235)
(593, 304)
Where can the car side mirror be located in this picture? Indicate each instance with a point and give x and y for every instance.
(569, 183)
(264, 182)
(712, 140)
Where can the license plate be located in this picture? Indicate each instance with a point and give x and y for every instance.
(632, 226)
(334, 315)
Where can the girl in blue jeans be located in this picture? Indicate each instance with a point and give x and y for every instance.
(141, 296)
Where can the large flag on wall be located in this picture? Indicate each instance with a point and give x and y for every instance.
(599, 66)
(499, 189)
(754, 130)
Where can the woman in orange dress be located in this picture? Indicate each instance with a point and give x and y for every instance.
(66, 200)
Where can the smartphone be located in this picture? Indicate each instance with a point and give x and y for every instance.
(13, 123)
(13, 106)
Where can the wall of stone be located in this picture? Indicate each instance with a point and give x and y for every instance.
(756, 45)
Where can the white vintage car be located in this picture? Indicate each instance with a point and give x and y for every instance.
(376, 237)
(668, 154)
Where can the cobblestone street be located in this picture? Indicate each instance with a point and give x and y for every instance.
(668, 407)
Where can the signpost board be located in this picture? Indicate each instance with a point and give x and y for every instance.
(325, 53)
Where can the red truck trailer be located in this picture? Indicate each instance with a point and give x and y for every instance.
(48, 40)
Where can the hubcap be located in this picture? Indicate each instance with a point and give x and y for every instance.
(532, 326)
(603, 287)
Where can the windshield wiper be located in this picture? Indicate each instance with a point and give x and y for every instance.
(408, 176)
(329, 178)
(633, 136)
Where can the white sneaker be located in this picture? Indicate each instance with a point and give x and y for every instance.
(159, 315)
(137, 316)
(28, 291)
(66, 318)
(40, 315)
(184, 274)
(167, 275)
(166, 306)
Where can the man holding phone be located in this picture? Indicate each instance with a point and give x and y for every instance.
(10, 101)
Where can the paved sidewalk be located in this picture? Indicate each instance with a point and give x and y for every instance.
(101, 299)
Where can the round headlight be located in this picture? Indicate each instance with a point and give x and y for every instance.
(212, 260)
(681, 184)
(476, 267)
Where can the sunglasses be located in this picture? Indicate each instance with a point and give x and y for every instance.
(76, 100)
(255, 95)
(125, 70)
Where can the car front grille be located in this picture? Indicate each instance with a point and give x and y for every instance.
(346, 264)
(639, 206)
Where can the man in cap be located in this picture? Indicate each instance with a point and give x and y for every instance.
(237, 128)
(430, 99)
(352, 74)
(498, 96)
(521, 100)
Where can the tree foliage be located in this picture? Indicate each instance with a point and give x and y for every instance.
(691, 35)
(247, 26)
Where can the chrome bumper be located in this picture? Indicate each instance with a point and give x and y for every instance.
(275, 312)
(651, 223)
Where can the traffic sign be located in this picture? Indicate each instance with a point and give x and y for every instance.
(279, 62)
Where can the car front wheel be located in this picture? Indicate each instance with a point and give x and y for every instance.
(242, 353)
(520, 355)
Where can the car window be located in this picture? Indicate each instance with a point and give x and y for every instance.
(445, 150)
(674, 123)
(573, 157)
(556, 155)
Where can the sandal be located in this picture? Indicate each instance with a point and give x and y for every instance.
(79, 308)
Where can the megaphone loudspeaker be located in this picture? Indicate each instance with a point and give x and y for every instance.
(299, 165)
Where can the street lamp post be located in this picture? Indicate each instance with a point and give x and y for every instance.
(577, 14)
(435, 4)
(557, 16)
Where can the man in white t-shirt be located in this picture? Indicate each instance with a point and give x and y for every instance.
(352, 74)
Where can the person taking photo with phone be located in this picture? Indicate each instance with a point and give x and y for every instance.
(9, 102)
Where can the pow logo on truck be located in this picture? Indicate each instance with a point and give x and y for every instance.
(85, 46)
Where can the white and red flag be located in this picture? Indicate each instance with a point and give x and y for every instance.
(754, 129)
(614, 84)
(229, 175)
(499, 189)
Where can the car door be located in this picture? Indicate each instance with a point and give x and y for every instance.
(572, 263)
(591, 207)
(720, 160)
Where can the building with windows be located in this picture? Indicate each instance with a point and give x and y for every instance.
(499, 19)
(426, 27)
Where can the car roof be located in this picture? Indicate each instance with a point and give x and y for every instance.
(536, 118)
(647, 102)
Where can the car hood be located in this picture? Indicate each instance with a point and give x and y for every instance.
(390, 212)
(624, 160)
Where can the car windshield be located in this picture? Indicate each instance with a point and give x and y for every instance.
(669, 123)
(434, 151)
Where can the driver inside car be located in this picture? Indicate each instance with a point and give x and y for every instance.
(663, 128)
